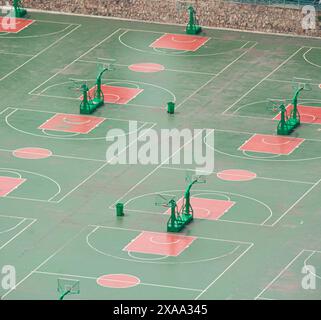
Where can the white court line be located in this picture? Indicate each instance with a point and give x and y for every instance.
(39, 53)
(58, 156)
(36, 174)
(226, 269)
(308, 61)
(309, 47)
(103, 166)
(52, 112)
(59, 22)
(16, 54)
(262, 80)
(170, 70)
(42, 263)
(139, 230)
(43, 35)
(75, 60)
(18, 234)
(264, 134)
(282, 271)
(95, 279)
(14, 227)
(296, 202)
(257, 177)
(3, 111)
(245, 44)
(214, 77)
(243, 116)
(14, 217)
(29, 199)
(77, 99)
(288, 81)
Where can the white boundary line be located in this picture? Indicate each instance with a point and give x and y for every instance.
(170, 70)
(39, 53)
(58, 22)
(289, 81)
(13, 227)
(257, 177)
(17, 234)
(262, 80)
(95, 279)
(53, 112)
(296, 202)
(16, 54)
(42, 263)
(4, 110)
(308, 61)
(226, 269)
(75, 60)
(96, 227)
(281, 272)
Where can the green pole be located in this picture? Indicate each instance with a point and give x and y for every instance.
(173, 211)
(191, 16)
(84, 103)
(98, 95)
(295, 112)
(188, 197)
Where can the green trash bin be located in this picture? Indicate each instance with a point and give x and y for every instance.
(171, 107)
(120, 209)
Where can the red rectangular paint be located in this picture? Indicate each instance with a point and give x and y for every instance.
(209, 209)
(165, 244)
(179, 42)
(117, 95)
(72, 123)
(271, 144)
(307, 114)
(14, 25)
(9, 184)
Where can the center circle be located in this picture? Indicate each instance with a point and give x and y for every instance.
(32, 153)
(118, 281)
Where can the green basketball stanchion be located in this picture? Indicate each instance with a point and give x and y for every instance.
(192, 26)
(171, 107)
(288, 123)
(89, 105)
(180, 218)
(18, 10)
(120, 209)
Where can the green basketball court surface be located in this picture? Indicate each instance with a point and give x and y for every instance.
(257, 216)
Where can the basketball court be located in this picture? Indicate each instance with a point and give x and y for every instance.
(257, 217)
